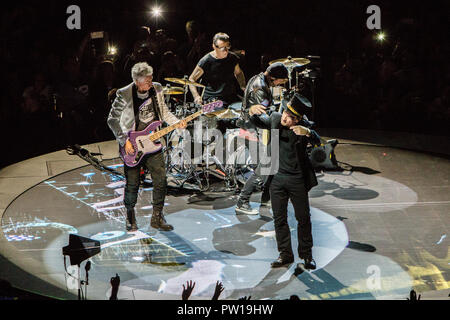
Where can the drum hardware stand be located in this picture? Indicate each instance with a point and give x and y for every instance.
(230, 181)
(185, 88)
(186, 173)
(313, 103)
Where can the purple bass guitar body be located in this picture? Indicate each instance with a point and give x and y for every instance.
(141, 144)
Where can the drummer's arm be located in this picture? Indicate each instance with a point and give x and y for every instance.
(258, 116)
(166, 115)
(240, 77)
(258, 101)
(196, 74)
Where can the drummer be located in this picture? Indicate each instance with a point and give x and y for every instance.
(218, 69)
(257, 99)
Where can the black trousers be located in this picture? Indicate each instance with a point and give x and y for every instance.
(251, 185)
(282, 189)
(156, 166)
(256, 180)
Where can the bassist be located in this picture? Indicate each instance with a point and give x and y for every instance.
(134, 107)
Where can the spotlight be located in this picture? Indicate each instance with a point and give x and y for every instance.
(156, 12)
(112, 50)
(381, 36)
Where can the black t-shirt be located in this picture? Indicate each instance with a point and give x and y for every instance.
(147, 114)
(289, 163)
(218, 77)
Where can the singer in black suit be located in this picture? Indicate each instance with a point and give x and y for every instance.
(293, 179)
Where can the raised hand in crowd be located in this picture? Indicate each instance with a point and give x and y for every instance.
(219, 289)
(187, 290)
(413, 296)
(115, 283)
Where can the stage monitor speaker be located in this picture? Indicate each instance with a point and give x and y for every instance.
(80, 248)
(323, 156)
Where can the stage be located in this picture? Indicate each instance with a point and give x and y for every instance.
(380, 229)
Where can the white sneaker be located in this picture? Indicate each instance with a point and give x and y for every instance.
(245, 208)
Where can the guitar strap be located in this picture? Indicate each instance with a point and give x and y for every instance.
(155, 104)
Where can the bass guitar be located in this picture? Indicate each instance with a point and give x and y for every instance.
(147, 141)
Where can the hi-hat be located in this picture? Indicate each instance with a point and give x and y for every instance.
(173, 90)
(292, 62)
(184, 82)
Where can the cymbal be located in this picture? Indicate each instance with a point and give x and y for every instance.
(289, 61)
(173, 90)
(224, 114)
(184, 82)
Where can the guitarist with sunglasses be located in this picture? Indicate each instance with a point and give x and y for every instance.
(134, 108)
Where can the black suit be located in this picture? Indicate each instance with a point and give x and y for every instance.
(285, 186)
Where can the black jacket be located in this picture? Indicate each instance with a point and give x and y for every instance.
(274, 122)
(257, 91)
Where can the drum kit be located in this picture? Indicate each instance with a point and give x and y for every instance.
(306, 72)
(183, 173)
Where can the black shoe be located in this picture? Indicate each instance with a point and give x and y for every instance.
(131, 224)
(245, 208)
(159, 222)
(309, 264)
(281, 262)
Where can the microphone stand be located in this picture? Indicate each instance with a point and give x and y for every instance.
(185, 94)
(79, 282)
(87, 267)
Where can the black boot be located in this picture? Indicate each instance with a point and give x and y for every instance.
(309, 264)
(159, 222)
(131, 220)
(282, 261)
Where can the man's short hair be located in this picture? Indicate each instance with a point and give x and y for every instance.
(141, 70)
(221, 36)
(278, 70)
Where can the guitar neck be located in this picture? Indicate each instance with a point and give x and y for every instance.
(157, 135)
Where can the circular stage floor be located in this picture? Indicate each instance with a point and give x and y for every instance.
(380, 228)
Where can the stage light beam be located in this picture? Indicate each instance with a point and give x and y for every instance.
(112, 50)
(381, 36)
(156, 12)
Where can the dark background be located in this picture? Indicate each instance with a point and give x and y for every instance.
(401, 84)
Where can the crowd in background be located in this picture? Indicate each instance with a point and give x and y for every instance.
(56, 81)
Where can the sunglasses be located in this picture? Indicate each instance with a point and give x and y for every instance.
(223, 48)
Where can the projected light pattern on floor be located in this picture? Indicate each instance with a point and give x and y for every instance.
(35, 230)
(209, 243)
(21, 238)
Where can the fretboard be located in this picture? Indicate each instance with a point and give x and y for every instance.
(157, 135)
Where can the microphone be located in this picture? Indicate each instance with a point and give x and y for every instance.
(87, 267)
